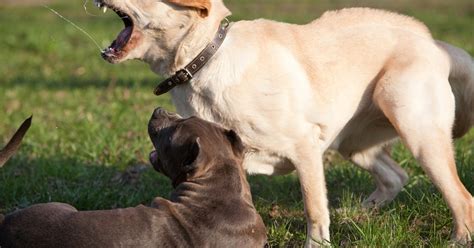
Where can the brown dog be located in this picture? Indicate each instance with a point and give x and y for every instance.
(210, 207)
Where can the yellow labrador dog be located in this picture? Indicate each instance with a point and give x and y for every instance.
(352, 80)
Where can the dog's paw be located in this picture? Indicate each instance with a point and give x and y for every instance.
(378, 199)
(311, 243)
(462, 238)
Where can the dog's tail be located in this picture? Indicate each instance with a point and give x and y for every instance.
(14, 143)
(461, 78)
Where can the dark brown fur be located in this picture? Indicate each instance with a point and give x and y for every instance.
(211, 205)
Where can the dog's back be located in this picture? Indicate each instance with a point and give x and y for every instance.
(61, 225)
(354, 17)
(461, 75)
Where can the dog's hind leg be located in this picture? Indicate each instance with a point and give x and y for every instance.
(461, 78)
(420, 105)
(389, 177)
(367, 146)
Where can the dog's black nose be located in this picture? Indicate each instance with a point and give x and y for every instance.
(160, 113)
(161, 119)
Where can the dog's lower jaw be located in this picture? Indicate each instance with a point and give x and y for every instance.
(158, 64)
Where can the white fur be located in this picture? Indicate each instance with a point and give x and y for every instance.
(352, 80)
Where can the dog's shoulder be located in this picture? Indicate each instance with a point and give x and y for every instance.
(161, 203)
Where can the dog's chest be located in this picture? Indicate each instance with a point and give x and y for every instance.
(259, 118)
(247, 119)
(203, 104)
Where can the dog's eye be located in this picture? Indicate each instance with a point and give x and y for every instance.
(189, 160)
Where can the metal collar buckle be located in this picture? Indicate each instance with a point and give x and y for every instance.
(183, 75)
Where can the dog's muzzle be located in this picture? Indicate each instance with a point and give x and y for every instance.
(161, 119)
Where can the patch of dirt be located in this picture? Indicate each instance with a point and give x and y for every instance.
(131, 175)
(277, 212)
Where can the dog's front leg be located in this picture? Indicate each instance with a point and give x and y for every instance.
(309, 166)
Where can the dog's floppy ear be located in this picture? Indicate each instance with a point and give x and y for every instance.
(203, 6)
(189, 163)
(237, 145)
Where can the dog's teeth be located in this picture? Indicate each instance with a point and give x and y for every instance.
(104, 9)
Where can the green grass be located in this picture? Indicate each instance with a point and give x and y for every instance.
(89, 128)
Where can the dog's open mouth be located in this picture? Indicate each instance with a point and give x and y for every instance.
(153, 157)
(154, 161)
(126, 40)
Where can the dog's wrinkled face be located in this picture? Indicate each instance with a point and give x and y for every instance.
(149, 25)
(185, 148)
(155, 29)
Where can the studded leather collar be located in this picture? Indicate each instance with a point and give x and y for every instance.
(187, 73)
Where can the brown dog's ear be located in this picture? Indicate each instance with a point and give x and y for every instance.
(237, 144)
(191, 156)
(203, 6)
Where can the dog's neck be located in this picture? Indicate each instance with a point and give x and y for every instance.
(200, 33)
(228, 176)
(186, 73)
(191, 46)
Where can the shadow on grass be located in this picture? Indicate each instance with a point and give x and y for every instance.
(64, 83)
(285, 190)
(25, 181)
(87, 186)
(419, 208)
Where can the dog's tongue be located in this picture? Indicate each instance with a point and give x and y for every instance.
(153, 157)
(123, 38)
